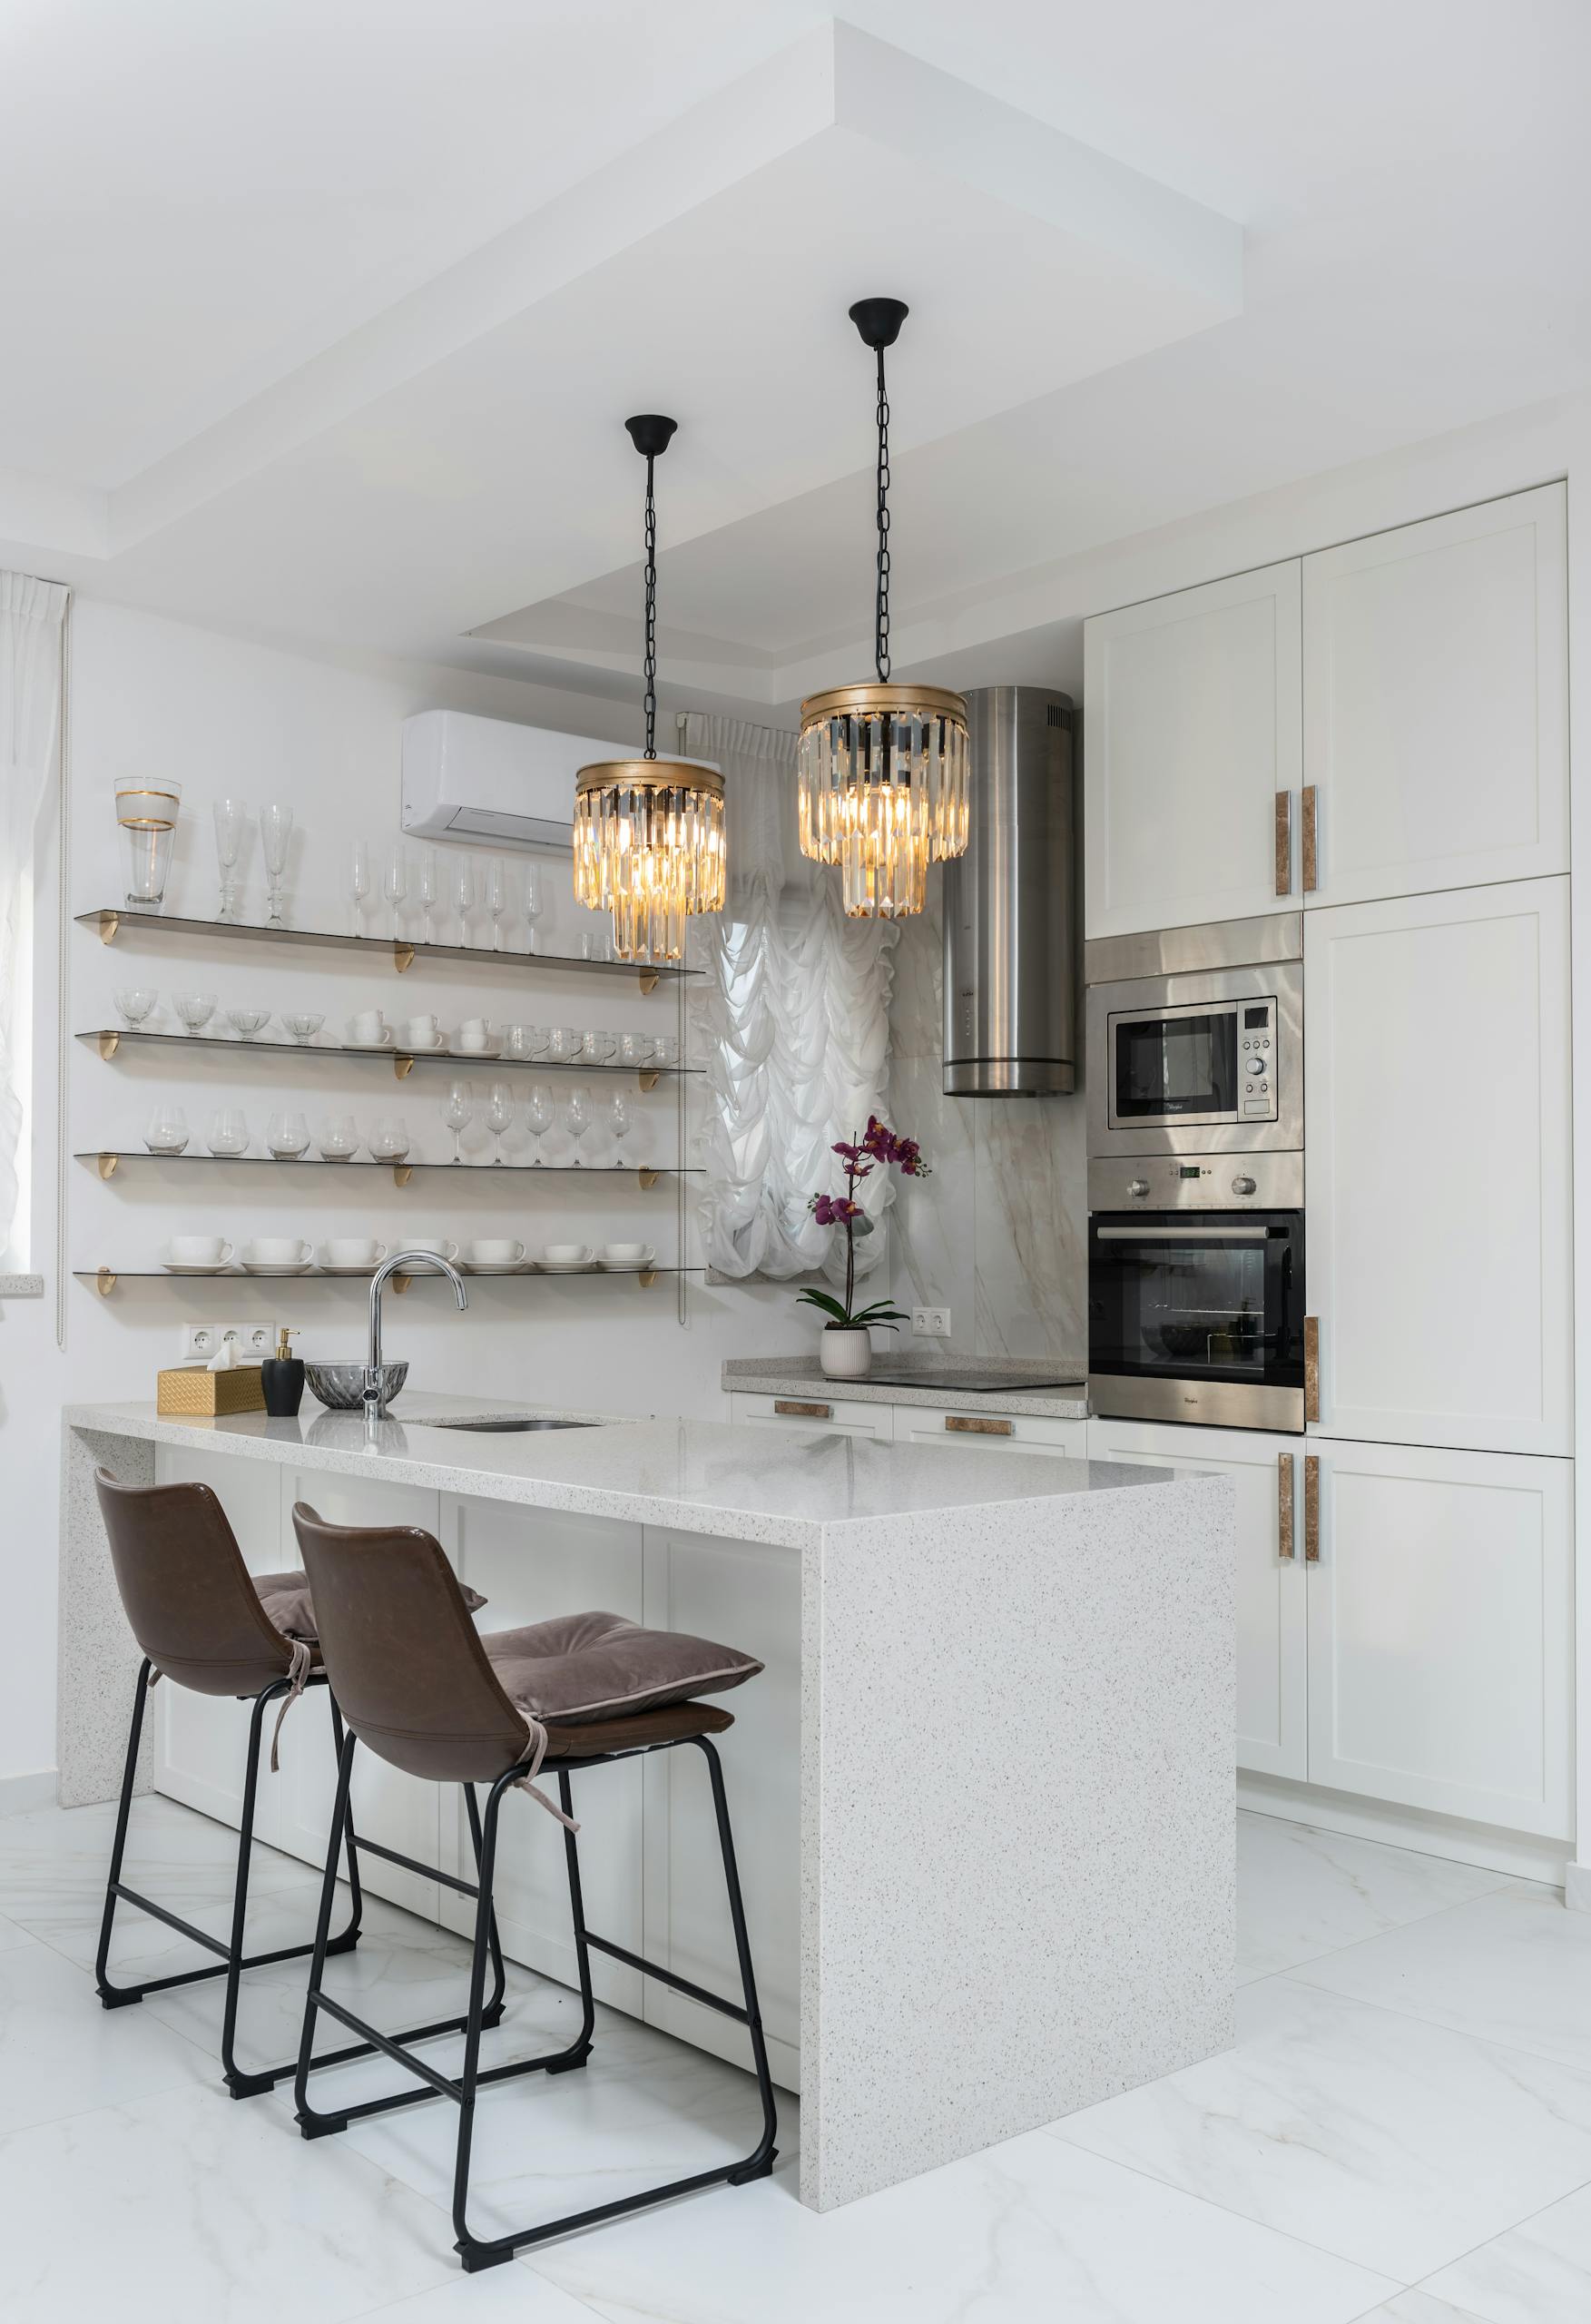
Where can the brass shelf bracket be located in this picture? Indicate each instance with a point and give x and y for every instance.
(647, 979)
(403, 1065)
(648, 1180)
(109, 1044)
(105, 1164)
(109, 922)
(104, 1282)
(401, 1282)
(402, 1172)
(647, 1278)
(647, 1080)
(403, 957)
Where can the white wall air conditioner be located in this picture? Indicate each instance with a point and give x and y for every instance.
(485, 778)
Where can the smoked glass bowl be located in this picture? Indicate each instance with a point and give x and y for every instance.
(340, 1387)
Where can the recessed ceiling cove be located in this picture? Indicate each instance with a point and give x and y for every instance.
(455, 465)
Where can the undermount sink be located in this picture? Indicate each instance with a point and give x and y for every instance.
(518, 1426)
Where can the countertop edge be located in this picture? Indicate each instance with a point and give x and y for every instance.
(737, 1378)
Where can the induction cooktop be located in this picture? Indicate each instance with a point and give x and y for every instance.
(975, 1384)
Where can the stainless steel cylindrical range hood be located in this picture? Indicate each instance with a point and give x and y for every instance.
(1010, 965)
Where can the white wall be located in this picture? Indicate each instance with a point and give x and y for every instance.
(224, 714)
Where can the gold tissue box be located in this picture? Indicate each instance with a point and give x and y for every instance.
(184, 1393)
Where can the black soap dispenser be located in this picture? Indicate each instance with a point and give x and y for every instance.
(281, 1379)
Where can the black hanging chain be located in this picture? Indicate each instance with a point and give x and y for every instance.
(649, 664)
(882, 600)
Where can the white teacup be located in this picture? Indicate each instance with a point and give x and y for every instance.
(567, 1254)
(439, 1248)
(276, 1251)
(355, 1251)
(421, 1033)
(475, 1033)
(199, 1250)
(622, 1253)
(369, 1025)
(495, 1254)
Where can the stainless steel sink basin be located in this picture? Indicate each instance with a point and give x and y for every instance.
(519, 1426)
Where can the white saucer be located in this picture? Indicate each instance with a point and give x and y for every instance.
(567, 1267)
(627, 1267)
(277, 1267)
(365, 1268)
(385, 1044)
(438, 1047)
(216, 1266)
(492, 1049)
(497, 1266)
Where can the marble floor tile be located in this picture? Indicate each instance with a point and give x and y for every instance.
(1513, 1968)
(10, 1934)
(61, 2054)
(1538, 2273)
(1030, 2232)
(1303, 1892)
(1392, 2141)
(497, 2296)
(1419, 2307)
(189, 2209)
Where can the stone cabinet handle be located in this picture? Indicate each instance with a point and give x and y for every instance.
(968, 1424)
(802, 1411)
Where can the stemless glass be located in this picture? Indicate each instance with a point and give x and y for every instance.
(395, 884)
(194, 1009)
(166, 1131)
(287, 1136)
(458, 1112)
(228, 814)
(276, 829)
(499, 1114)
(532, 902)
(577, 1117)
(430, 890)
(540, 1113)
(499, 897)
(147, 807)
(227, 1134)
(135, 1002)
(463, 895)
(359, 883)
(388, 1141)
(339, 1140)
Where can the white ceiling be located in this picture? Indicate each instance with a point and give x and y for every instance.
(320, 320)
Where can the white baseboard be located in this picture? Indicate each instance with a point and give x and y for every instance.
(1577, 1887)
(19, 1793)
(1520, 1854)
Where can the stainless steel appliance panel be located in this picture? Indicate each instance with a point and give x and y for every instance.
(1202, 1403)
(1193, 951)
(1010, 933)
(1259, 1110)
(1196, 1182)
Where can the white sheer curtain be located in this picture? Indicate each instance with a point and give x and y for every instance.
(791, 1022)
(31, 616)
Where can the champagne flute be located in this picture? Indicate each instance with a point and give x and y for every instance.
(532, 902)
(499, 1116)
(430, 889)
(541, 1112)
(228, 839)
(276, 830)
(577, 1117)
(395, 884)
(499, 896)
(358, 882)
(464, 896)
(458, 1113)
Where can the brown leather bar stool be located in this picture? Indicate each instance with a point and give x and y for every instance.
(197, 1614)
(421, 1687)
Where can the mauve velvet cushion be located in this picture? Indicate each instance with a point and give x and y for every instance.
(599, 1666)
(285, 1600)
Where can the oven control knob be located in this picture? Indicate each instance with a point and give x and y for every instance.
(1139, 1187)
(1242, 1185)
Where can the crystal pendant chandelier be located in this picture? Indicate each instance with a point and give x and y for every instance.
(649, 832)
(883, 768)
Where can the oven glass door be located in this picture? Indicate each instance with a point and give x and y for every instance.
(1179, 1064)
(1198, 1296)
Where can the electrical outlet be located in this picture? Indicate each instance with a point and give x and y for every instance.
(201, 1341)
(931, 1322)
(256, 1339)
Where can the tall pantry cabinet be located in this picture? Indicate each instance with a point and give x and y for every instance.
(1415, 1646)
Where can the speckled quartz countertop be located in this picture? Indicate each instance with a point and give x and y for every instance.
(705, 1476)
(1020, 1391)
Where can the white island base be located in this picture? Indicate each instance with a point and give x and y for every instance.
(982, 1793)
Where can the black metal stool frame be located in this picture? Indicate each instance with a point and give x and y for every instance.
(474, 2252)
(233, 1960)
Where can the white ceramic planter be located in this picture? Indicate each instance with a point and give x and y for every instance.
(845, 1354)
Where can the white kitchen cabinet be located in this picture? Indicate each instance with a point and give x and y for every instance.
(1440, 1632)
(1194, 724)
(531, 1565)
(1272, 1651)
(815, 1412)
(1436, 1095)
(749, 1596)
(994, 1431)
(1436, 702)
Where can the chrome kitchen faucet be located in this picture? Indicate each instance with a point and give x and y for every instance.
(401, 1262)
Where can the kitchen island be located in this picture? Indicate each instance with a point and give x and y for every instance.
(982, 1792)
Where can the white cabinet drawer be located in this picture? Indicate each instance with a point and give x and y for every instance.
(1000, 1431)
(814, 1412)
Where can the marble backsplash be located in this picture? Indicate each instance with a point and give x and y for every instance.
(998, 1233)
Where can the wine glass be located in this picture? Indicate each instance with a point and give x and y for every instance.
(430, 890)
(541, 1112)
(227, 1134)
(229, 815)
(394, 883)
(135, 1002)
(276, 830)
(621, 1122)
(287, 1136)
(388, 1141)
(499, 1114)
(532, 902)
(458, 1113)
(499, 897)
(339, 1140)
(464, 895)
(359, 883)
(167, 1129)
(194, 1009)
(577, 1117)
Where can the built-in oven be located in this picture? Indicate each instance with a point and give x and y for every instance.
(1196, 1290)
(1205, 1054)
